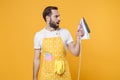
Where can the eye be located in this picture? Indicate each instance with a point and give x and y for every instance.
(57, 16)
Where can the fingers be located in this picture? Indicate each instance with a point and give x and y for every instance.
(81, 32)
(80, 29)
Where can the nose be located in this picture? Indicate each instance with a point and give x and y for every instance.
(59, 19)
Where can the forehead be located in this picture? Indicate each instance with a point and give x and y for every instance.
(55, 12)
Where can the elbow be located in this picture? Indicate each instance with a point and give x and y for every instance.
(76, 54)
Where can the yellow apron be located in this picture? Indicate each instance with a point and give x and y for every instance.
(54, 65)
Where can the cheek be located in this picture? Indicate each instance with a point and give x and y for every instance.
(54, 20)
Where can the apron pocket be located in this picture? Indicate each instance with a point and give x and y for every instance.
(59, 67)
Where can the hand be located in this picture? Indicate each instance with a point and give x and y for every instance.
(80, 33)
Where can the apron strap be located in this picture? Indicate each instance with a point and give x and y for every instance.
(79, 66)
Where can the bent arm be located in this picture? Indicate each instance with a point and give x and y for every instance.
(75, 48)
(36, 64)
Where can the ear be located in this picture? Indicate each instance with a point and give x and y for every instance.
(47, 18)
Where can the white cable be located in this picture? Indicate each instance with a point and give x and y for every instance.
(79, 66)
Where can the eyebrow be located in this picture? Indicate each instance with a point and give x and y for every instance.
(57, 15)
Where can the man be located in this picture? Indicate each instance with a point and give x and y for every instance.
(49, 48)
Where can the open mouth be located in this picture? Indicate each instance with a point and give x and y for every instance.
(57, 22)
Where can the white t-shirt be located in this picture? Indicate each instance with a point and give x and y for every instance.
(39, 36)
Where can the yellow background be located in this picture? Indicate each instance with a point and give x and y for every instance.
(20, 19)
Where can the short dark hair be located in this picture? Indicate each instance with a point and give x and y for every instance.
(47, 11)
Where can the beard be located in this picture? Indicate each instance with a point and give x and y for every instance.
(53, 24)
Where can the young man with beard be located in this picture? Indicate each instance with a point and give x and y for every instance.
(49, 48)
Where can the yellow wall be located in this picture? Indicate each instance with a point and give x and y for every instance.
(20, 19)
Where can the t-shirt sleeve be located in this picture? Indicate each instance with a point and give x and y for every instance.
(37, 41)
(69, 37)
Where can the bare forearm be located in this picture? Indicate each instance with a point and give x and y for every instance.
(76, 51)
(36, 68)
(77, 47)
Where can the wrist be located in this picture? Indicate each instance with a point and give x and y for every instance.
(78, 37)
(35, 78)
